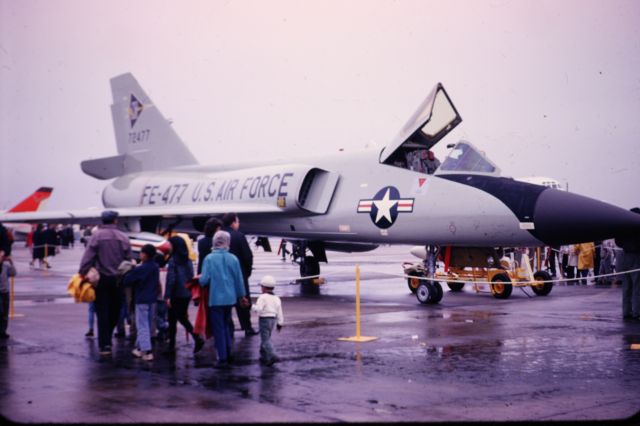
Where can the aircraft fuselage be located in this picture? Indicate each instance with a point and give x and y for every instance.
(366, 201)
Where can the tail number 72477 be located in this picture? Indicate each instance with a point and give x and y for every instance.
(139, 136)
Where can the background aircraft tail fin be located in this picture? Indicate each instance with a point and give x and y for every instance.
(32, 202)
(144, 137)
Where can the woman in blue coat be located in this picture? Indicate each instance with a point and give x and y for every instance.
(176, 295)
(222, 274)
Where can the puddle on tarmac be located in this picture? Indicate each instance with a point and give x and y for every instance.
(42, 300)
(463, 316)
(471, 315)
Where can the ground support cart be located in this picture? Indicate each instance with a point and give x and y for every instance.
(500, 281)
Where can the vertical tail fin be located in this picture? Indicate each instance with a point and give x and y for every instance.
(32, 202)
(144, 137)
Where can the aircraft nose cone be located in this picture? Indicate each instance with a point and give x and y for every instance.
(565, 218)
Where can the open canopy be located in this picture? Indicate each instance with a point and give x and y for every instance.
(433, 119)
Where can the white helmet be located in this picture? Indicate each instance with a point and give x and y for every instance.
(268, 281)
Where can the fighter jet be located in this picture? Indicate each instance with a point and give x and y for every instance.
(30, 204)
(346, 201)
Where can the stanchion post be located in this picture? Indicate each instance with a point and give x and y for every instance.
(357, 337)
(11, 298)
(12, 314)
(358, 301)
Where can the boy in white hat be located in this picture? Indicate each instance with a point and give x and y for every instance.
(269, 308)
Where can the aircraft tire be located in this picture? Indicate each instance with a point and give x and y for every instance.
(502, 288)
(429, 293)
(437, 297)
(309, 267)
(414, 283)
(455, 286)
(542, 289)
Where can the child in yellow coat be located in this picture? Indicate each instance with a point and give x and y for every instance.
(586, 252)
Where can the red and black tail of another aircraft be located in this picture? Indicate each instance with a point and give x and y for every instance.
(32, 202)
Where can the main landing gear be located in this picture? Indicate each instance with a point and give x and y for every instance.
(309, 256)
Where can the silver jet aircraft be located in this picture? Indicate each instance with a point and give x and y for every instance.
(344, 202)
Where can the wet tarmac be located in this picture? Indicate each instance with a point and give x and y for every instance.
(472, 357)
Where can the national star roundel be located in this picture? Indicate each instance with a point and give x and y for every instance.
(384, 207)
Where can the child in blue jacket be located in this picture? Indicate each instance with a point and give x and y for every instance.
(146, 279)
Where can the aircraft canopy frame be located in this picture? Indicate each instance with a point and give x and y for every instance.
(433, 120)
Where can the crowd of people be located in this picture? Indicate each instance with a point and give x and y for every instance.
(153, 307)
(575, 263)
(46, 240)
(152, 303)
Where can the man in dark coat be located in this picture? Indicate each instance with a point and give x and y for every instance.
(240, 248)
(5, 241)
(629, 260)
(205, 244)
(107, 249)
(52, 240)
(39, 242)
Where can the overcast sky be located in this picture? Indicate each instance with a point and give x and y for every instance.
(547, 88)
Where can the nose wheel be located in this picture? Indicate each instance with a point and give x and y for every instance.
(429, 292)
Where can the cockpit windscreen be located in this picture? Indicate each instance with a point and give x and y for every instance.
(465, 158)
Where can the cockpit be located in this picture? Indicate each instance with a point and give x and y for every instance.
(463, 158)
(413, 147)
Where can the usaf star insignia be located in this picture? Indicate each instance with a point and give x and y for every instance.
(384, 207)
